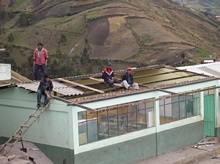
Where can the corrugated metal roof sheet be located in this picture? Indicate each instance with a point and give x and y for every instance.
(66, 90)
(58, 87)
(211, 69)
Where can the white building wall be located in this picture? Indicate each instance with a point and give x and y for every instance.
(137, 134)
(54, 127)
(5, 71)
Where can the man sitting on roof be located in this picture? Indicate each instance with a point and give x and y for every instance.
(127, 80)
(45, 87)
(108, 75)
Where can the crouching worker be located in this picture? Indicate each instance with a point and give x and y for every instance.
(108, 75)
(127, 80)
(45, 87)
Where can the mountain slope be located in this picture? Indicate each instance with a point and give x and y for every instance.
(128, 32)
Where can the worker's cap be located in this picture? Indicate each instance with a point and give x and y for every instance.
(47, 76)
(128, 69)
(40, 44)
(109, 63)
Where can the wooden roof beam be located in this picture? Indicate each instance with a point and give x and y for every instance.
(80, 85)
(101, 80)
(82, 106)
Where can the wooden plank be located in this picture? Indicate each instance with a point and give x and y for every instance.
(82, 106)
(80, 85)
(101, 80)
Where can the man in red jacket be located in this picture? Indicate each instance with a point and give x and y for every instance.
(40, 60)
(108, 75)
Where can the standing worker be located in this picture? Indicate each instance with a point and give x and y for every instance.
(45, 87)
(40, 60)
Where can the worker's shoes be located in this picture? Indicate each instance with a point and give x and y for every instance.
(38, 105)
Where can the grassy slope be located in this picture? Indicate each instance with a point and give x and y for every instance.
(139, 32)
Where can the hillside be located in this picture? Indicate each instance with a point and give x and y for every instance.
(82, 35)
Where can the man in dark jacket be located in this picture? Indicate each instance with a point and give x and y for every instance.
(45, 87)
(127, 80)
(108, 75)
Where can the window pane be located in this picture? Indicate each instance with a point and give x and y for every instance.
(113, 125)
(179, 107)
(114, 121)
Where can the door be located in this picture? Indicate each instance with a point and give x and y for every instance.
(209, 115)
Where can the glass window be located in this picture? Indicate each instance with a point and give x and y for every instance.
(116, 120)
(179, 107)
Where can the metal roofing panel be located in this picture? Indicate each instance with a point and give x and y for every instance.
(66, 90)
(29, 86)
(194, 69)
(211, 69)
(58, 87)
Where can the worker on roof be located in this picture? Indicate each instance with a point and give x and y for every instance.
(45, 88)
(40, 60)
(127, 80)
(108, 75)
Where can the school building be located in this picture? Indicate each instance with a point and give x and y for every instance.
(87, 122)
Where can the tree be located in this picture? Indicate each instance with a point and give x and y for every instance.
(85, 53)
(2, 17)
(25, 19)
(183, 55)
(10, 37)
(63, 39)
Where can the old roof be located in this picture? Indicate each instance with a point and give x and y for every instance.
(15, 78)
(58, 87)
(85, 88)
(211, 69)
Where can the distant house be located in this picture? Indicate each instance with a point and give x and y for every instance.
(208, 61)
(88, 122)
(5, 71)
(209, 69)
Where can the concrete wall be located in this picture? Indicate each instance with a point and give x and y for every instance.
(57, 155)
(217, 132)
(54, 127)
(133, 150)
(144, 147)
(179, 137)
(5, 71)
